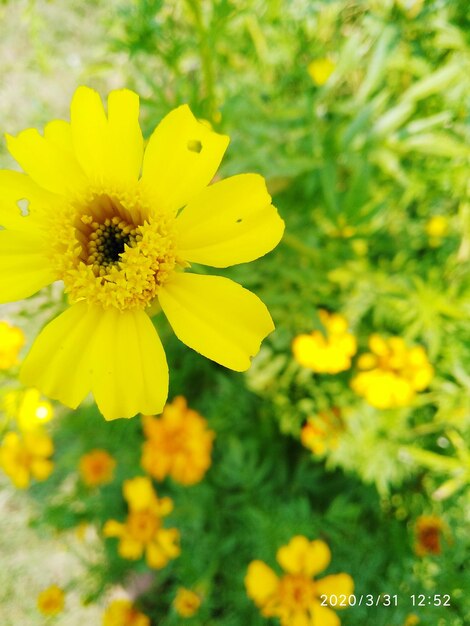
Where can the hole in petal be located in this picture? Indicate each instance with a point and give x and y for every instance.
(194, 145)
(23, 206)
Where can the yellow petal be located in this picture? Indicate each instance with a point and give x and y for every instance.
(216, 317)
(155, 556)
(47, 163)
(59, 133)
(232, 221)
(169, 540)
(301, 556)
(336, 584)
(126, 145)
(117, 355)
(260, 582)
(59, 362)
(323, 616)
(130, 373)
(181, 158)
(130, 548)
(89, 132)
(139, 493)
(24, 266)
(112, 528)
(41, 469)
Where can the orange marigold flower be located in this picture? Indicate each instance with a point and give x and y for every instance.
(26, 456)
(186, 602)
(428, 531)
(295, 596)
(124, 613)
(11, 341)
(392, 372)
(179, 444)
(328, 354)
(97, 467)
(321, 432)
(51, 600)
(143, 531)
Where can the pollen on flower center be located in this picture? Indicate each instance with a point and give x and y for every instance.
(113, 250)
(107, 242)
(296, 591)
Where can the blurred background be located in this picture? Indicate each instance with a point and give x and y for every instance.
(353, 423)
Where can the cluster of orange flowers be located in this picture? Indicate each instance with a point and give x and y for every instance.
(179, 444)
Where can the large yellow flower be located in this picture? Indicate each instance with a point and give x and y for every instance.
(295, 598)
(118, 226)
(143, 531)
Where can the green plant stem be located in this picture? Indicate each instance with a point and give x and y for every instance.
(206, 57)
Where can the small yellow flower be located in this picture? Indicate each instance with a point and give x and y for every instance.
(330, 354)
(186, 602)
(437, 228)
(142, 532)
(123, 613)
(97, 467)
(26, 456)
(295, 597)
(428, 531)
(411, 620)
(51, 600)
(320, 70)
(28, 408)
(178, 444)
(393, 372)
(12, 340)
(322, 431)
(119, 225)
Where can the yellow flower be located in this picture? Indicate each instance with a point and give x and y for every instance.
(143, 530)
(322, 431)
(186, 602)
(320, 70)
(23, 457)
(51, 600)
(330, 354)
(178, 444)
(411, 620)
(11, 341)
(119, 226)
(295, 597)
(428, 535)
(437, 228)
(393, 372)
(123, 613)
(97, 467)
(27, 407)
